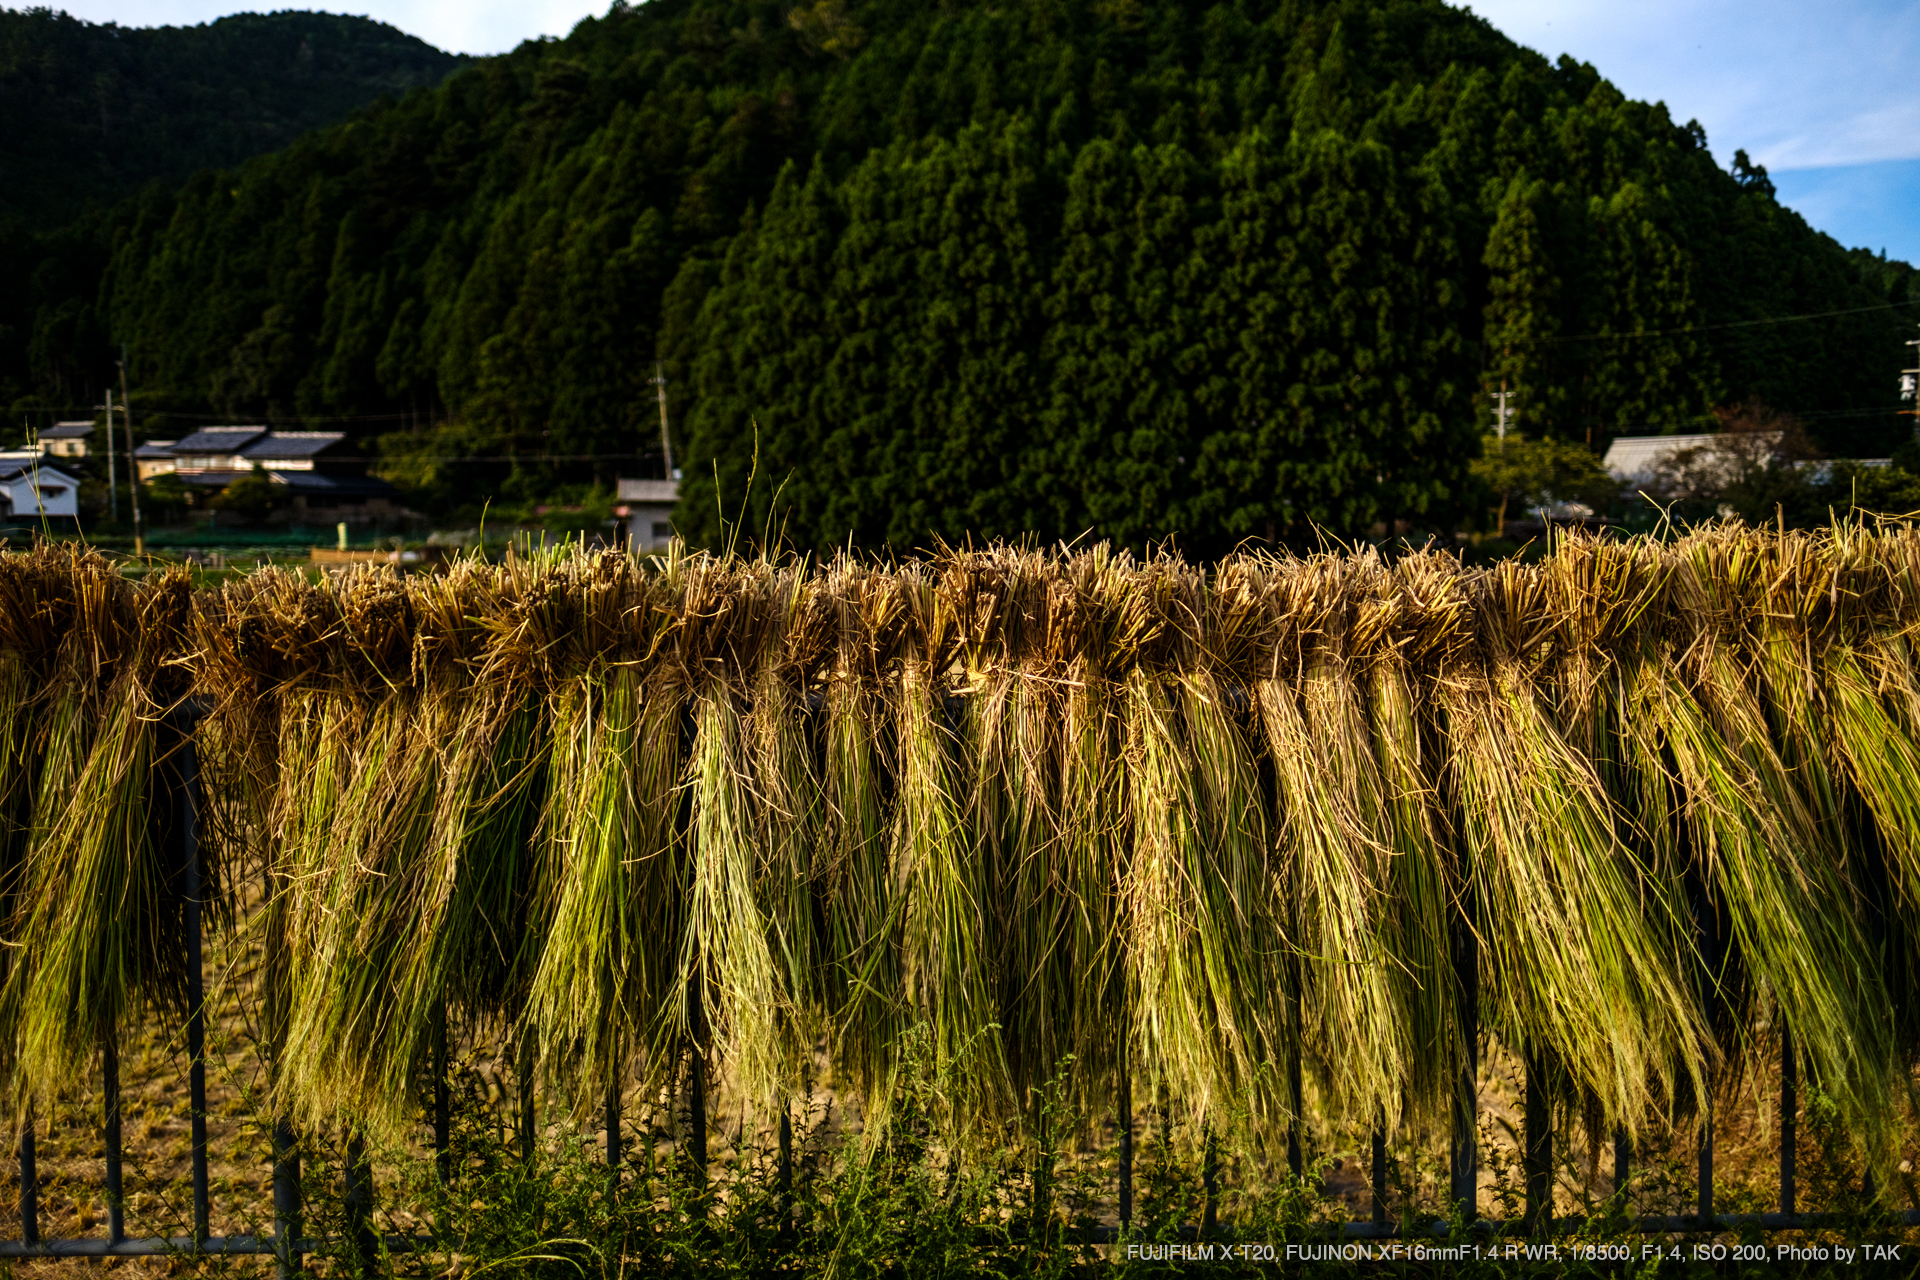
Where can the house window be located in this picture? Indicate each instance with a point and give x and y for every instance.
(662, 531)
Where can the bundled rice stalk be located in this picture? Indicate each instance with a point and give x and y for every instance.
(358, 881)
(1098, 625)
(1571, 966)
(366, 862)
(1873, 695)
(568, 872)
(1205, 945)
(1011, 722)
(100, 924)
(788, 809)
(607, 974)
(1420, 895)
(1598, 595)
(1338, 846)
(946, 965)
(46, 719)
(1764, 858)
(865, 987)
(727, 962)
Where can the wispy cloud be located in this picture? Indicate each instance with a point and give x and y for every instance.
(459, 26)
(1795, 84)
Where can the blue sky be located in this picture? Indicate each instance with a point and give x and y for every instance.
(1826, 95)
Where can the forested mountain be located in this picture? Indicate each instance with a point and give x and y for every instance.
(94, 112)
(1213, 268)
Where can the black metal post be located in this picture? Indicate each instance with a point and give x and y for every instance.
(1789, 1107)
(442, 1108)
(613, 1130)
(1380, 1174)
(1706, 1164)
(1210, 1184)
(1296, 1157)
(697, 1090)
(786, 1167)
(286, 1199)
(110, 1085)
(359, 1206)
(1622, 1159)
(1124, 1105)
(1539, 1153)
(29, 1179)
(525, 1075)
(1464, 1157)
(189, 811)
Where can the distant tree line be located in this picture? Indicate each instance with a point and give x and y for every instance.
(1212, 271)
(95, 111)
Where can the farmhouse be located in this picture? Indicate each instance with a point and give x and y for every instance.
(32, 489)
(647, 508)
(1638, 461)
(66, 439)
(323, 477)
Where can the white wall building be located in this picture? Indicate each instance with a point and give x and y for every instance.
(1636, 461)
(32, 489)
(647, 507)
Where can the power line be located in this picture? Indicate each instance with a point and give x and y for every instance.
(1730, 324)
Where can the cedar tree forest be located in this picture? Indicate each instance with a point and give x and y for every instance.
(1203, 269)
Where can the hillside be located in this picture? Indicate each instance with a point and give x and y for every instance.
(1212, 270)
(94, 112)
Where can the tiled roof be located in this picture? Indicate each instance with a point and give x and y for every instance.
(67, 431)
(218, 440)
(155, 449)
(648, 490)
(291, 444)
(13, 464)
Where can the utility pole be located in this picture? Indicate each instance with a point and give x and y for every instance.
(1501, 419)
(1910, 388)
(659, 381)
(113, 484)
(133, 466)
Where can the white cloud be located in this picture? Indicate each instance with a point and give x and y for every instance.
(1796, 84)
(468, 26)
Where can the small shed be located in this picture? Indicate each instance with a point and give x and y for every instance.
(647, 507)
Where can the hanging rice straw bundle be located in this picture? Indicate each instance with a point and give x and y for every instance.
(1204, 938)
(1098, 627)
(1422, 888)
(946, 966)
(1339, 847)
(860, 909)
(1010, 728)
(1599, 594)
(788, 810)
(597, 884)
(101, 920)
(1763, 857)
(724, 614)
(53, 604)
(1572, 969)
